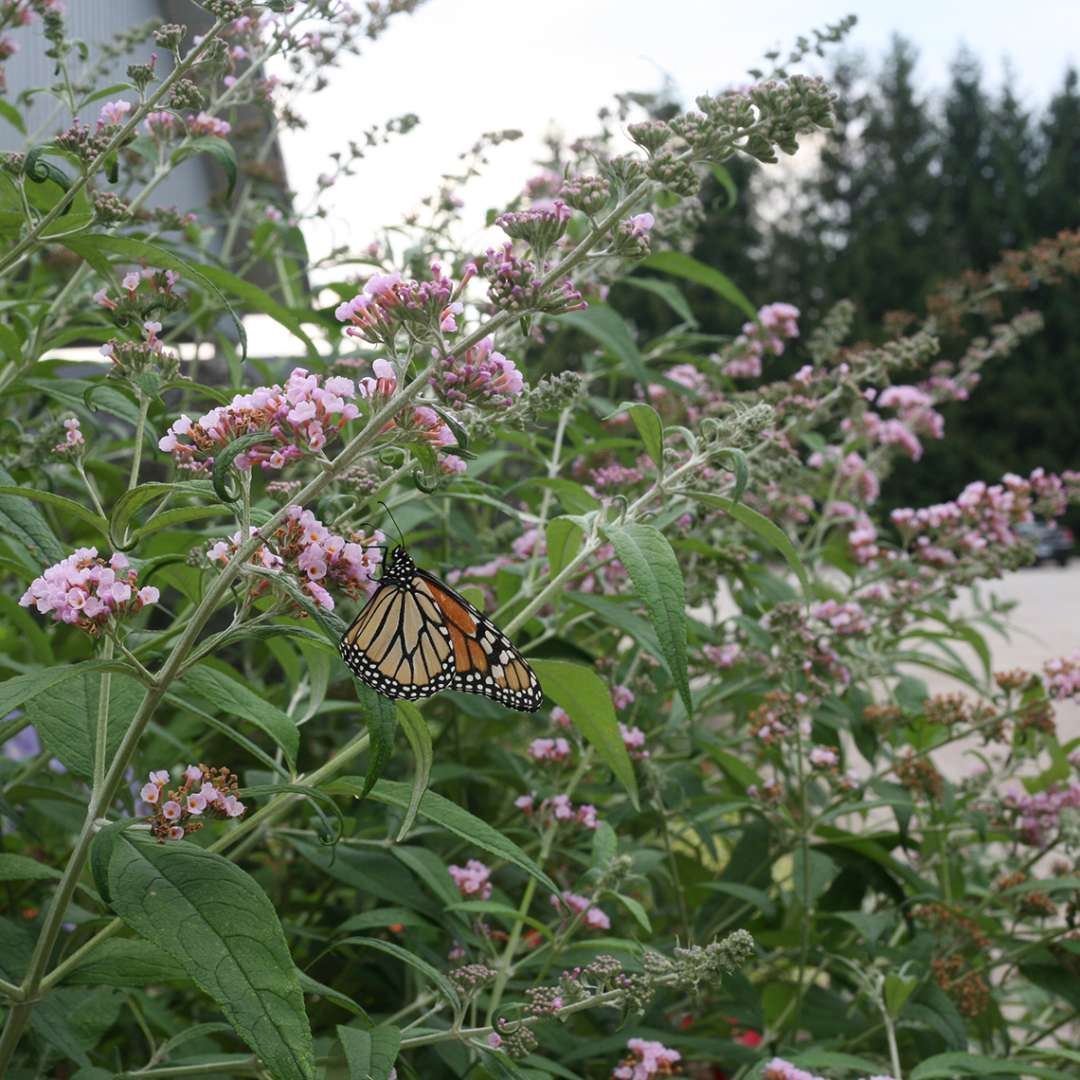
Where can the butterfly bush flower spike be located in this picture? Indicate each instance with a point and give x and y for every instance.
(204, 793)
(86, 591)
(300, 417)
(646, 1059)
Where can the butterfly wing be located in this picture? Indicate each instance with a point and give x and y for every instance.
(400, 645)
(483, 659)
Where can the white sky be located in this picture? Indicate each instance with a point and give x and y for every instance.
(469, 66)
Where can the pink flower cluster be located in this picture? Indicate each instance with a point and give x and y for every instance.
(516, 284)
(205, 124)
(554, 750)
(1063, 676)
(113, 114)
(594, 917)
(634, 740)
(775, 324)
(685, 375)
(647, 1058)
(622, 697)
(482, 377)
(779, 1069)
(723, 656)
(86, 591)
(847, 619)
(823, 757)
(203, 791)
(306, 548)
(559, 808)
(1040, 814)
(74, 439)
(301, 416)
(472, 880)
(387, 304)
(982, 516)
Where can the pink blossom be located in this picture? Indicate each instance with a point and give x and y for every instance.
(779, 1069)
(171, 810)
(302, 416)
(113, 113)
(73, 437)
(847, 619)
(525, 804)
(150, 793)
(472, 879)
(560, 717)
(722, 656)
(594, 917)
(646, 1059)
(622, 696)
(205, 124)
(555, 750)
(634, 740)
(481, 377)
(822, 757)
(775, 324)
(85, 591)
(587, 815)
(1063, 676)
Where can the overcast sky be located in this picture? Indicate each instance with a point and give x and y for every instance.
(469, 66)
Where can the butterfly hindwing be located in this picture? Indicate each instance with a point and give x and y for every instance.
(417, 636)
(485, 660)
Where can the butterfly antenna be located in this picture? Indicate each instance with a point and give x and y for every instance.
(401, 537)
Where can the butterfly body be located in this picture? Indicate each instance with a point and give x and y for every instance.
(417, 636)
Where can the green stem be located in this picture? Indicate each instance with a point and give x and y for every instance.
(140, 432)
(101, 735)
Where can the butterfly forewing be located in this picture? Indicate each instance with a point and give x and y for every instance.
(417, 636)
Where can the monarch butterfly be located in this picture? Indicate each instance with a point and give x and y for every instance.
(416, 636)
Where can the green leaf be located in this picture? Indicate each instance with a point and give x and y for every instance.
(955, 1063)
(606, 325)
(22, 688)
(131, 502)
(649, 425)
(382, 720)
(585, 697)
(127, 247)
(315, 988)
(224, 458)
(68, 507)
(669, 293)
(574, 498)
(25, 522)
(221, 928)
(67, 722)
(12, 116)
(812, 873)
(219, 149)
(564, 539)
(433, 975)
(370, 1055)
(441, 811)
(23, 868)
(685, 266)
(635, 909)
(657, 578)
(223, 692)
(126, 962)
(416, 731)
(604, 845)
(619, 615)
(758, 524)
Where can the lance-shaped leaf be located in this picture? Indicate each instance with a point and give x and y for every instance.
(649, 426)
(658, 581)
(416, 731)
(221, 928)
(757, 523)
(370, 1055)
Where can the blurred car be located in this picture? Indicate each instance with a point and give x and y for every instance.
(1050, 540)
